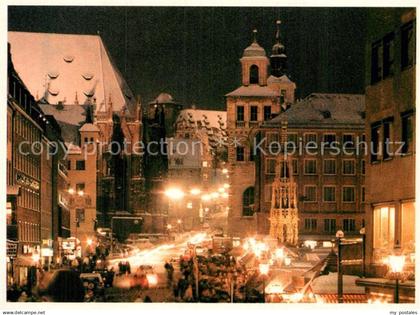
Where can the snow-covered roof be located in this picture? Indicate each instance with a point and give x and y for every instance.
(163, 98)
(283, 79)
(254, 90)
(326, 110)
(212, 123)
(68, 68)
(254, 50)
(69, 118)
(210, 118)
(327, 284)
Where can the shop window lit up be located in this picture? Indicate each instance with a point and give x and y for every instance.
(384, 231)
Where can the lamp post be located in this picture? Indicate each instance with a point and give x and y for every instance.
(396, 265)
(363, 233)
(179, 221)
(264, 269)
(339, 235)
(175, 195)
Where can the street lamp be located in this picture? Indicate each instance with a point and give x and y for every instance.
(174, 193)
(89, 241)
(363, 233)
(195, 191)
(279, 253)
(264, 269)
(339, 235)
(206, 197)
(396, 265)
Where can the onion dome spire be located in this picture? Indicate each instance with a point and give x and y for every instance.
(278, 56)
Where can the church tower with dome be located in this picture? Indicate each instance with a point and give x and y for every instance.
(259, 98)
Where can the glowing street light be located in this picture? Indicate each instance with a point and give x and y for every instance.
(221, 190)
(179, 221)
(174, 193)
(214, 195)
(226, 186)
(195, 191)
(264, 269)
(279, 253)
(70, 191)
(396, 266)
(225, 171)
(81, 193)
(169, 226)
(396, 263)
(89, 241)
(206, 197)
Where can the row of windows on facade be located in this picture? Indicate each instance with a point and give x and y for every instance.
(20, 94)
(292, 146)
(348, 193)
(348, 140)
(27, 164)
(329, 193)
(28, 232)
(253, 115)
(384, 52)
(330, 225)
(382, 139)
(26, 129)
(29, 199)
(311, 166)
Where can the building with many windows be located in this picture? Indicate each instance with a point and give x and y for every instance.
(34, 156)
(390, 129)
(327, 188)
(323, 135)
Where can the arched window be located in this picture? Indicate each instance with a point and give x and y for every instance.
(253, 75)
(248, 202)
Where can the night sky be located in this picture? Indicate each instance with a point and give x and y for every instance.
(192, 53)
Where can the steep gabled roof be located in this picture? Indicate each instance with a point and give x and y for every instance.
(70, 69)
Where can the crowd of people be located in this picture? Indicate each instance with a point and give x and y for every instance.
(220, 278)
